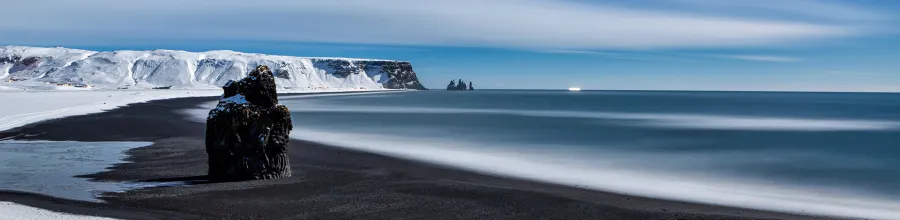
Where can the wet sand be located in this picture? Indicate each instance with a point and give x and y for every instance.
(328, 182)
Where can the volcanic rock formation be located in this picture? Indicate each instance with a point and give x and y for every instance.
(460, 86)
(247, 133)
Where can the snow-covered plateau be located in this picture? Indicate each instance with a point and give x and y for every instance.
(57, 68)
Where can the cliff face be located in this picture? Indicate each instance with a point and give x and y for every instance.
(401, 75)
(182, 69)
(390, 74)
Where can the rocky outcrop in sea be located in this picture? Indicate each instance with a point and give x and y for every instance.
(248, 132)
(459, 86)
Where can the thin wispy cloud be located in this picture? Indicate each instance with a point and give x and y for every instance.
(764, 58)
(848, 73)
(821, 9)
(677, 56)
(623, 55)
(532, 24)
(583, 52)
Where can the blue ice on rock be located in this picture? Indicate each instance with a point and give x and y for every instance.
(50, 167)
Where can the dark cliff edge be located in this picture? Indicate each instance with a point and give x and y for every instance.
(401, 75)
(395, 74)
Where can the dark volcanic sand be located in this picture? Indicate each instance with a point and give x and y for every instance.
(328, 182)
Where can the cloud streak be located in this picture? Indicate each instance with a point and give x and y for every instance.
(622, 55)
(677, 56)
(582, 52)
(764, 58)
(817, 9)
(528, 24)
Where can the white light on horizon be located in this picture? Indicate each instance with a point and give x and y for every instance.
(574, 89)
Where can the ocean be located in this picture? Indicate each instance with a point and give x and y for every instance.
(810, 153)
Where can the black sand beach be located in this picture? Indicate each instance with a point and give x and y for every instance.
(328, 182)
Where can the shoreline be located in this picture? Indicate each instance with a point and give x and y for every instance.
(58, 104)
(328, 182)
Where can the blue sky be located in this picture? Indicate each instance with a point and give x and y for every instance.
(807, 45)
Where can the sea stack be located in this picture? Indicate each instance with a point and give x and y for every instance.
(247, 133)
(459, 86)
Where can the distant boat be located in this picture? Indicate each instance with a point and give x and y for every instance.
(574, 89)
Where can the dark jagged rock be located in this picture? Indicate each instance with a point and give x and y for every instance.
(26, 65)
(247, 133)
(10, 59)
(452, 85)
(259, 87)
(230, 89)
(31, 61)
(459, 86)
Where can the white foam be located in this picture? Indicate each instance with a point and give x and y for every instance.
(681, 121)
(714, 122)
(15, 211)
(344, 93)
(604, 172)
(200, 112)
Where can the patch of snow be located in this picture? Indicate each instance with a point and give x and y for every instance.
(236, 99)
(17, 211)
(33, 106)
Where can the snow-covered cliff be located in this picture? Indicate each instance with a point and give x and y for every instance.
(182, 69)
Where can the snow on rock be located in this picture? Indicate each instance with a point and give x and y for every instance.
(17, 211)
(33, 66)
(235, 100)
